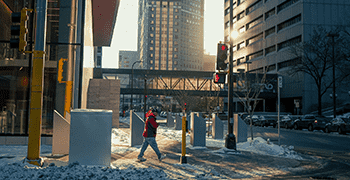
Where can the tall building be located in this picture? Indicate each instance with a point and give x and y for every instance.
(266, 28)
(170, 34)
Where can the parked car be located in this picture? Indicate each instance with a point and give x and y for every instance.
(288, 121)
(254, 118)
(267, 120)
(163, 114)
(340, 125)
(311, 122)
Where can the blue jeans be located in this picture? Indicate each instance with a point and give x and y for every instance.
(152, 142)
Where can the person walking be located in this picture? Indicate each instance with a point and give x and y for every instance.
(149, 136)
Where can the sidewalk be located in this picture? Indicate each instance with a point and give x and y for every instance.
(210, 163)
(206, 163)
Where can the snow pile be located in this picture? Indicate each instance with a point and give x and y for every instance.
(260, 146)
(76, 171)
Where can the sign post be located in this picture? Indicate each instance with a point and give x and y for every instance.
(279, 82)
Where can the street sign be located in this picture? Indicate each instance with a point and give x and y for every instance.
(280, 81)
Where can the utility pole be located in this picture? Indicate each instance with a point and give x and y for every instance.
(332, 35)
(230, 140)
(37, 85)
(132, 83)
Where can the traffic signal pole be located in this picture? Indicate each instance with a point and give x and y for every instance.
(37, 85)
(230, 139)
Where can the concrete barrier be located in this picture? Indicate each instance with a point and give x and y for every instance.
(198, 131)
(61, 131)
(90, 137)
(137, 126)
(178, 125)
(170, 120)
(240, 129)
(217, 128)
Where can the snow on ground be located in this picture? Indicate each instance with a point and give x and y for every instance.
(12, 165)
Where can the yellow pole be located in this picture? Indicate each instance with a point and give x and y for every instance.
(183, 150)
(36, 101)
(68, 99)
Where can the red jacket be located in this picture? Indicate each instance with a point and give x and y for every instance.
(150, 126)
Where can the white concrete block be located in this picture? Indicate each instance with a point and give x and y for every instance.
(90, 137)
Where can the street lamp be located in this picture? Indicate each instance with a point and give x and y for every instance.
(132, 83)
(332, 35)
(230, 139)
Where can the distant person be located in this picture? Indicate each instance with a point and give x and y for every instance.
(149, 136)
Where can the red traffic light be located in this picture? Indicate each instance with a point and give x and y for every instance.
(185, 104)
(223, 47)
(219, 78)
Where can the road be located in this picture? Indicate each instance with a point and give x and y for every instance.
(333, 150)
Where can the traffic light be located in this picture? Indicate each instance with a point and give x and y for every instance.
(219, 78)
(185, 106)
(19, 29)
(221, 57)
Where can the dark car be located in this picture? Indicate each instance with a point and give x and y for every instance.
(254, 118)
(288, 121)
(267, 120)
(340, 125)
(311, 122)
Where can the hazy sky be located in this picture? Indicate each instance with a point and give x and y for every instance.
(125, 32)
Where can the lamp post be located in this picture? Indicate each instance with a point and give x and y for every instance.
(132, 83)
(332, 35)
(230, 139)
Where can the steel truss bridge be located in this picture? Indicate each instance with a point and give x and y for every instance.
(174, 83)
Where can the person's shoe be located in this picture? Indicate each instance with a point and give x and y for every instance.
(162, 157)
(141, 159)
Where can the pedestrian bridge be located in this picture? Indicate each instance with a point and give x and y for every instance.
(174, 83)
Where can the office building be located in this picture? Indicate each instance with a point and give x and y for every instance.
(170, 34)
(266, 28)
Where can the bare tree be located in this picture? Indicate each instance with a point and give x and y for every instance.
(314, 57)
(249, 86)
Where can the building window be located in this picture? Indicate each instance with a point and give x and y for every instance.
(255, 39)
(175, 56)
(253, 23)
(176, 10)
(152, 41)
(240, 2)
(152, 22)
(288, 63)
(255, 55)
(270, 13)
(254, 6)
(152, 15)
(241, 30)
(270, 31)
(151, 55)
(286, 4)
(289, 42)
(176, 17)
(152, 35)
(289, 22)
(151, 48)
(240, 15)
(241, 45)
(227, 11)
(126, 65)
(271, 68)
(176, 23)
(227, 24)
(126, 62)
(239, 60)
(270, 49)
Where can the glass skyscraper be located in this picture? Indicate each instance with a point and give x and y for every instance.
(170, 34)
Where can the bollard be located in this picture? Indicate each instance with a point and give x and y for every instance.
(183, 152)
